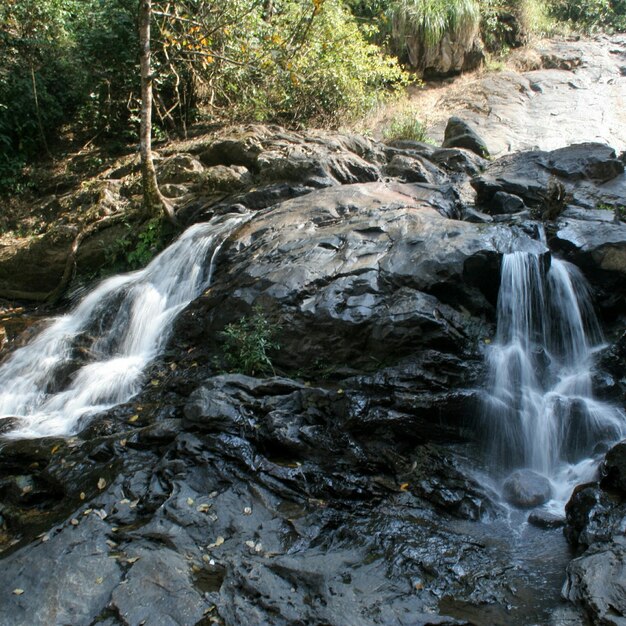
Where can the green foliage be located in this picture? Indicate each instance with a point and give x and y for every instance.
(306, 62)
(248, 342)
(508, 23)
(591, 14)
(136, 248)
(406, 124)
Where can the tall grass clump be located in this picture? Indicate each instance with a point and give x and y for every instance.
(424, 23)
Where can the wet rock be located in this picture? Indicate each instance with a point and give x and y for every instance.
(358, 270)
(78, 591)
(600, 245)
(597, 581)
(526, 489)
(546, 519)
(529, 174)
(614, 468)
(504, 203)
(459, 134)
(593, 515)
(159, 589)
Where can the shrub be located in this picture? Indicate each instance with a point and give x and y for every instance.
(248, 341)
(591, 14)
(406, 124)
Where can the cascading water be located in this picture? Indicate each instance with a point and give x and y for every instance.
(94, 358)
(539, 406)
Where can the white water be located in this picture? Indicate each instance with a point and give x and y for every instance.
(539, 406)
(94, 357)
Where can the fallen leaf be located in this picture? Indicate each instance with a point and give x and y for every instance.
(99, 580)
(190, 501)
(18, 592)
(55, 449)
(102, 483)
(203, 508)
(404, 487)
(133, 419)
(82, 495)
(74, 522)
(123, 443)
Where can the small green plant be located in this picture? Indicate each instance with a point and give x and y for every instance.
(248, 341)
(150, 241)
(405, 125)
(134, 250)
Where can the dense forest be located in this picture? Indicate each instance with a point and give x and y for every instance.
(69, 69)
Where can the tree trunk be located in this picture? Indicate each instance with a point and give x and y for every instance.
(154, 202)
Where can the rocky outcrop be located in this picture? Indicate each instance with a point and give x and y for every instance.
(596, 520)
(338, 490)
(565, 92)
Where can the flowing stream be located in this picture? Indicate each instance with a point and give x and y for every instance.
(94, 357)
(539, 405)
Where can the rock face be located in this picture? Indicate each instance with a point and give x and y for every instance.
(533, 107)
(596, 520)
(339, 490)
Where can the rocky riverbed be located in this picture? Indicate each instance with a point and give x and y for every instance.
(349, 487)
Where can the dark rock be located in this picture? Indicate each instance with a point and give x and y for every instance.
(546, 519)
(80, 589)
(526, 489)
(359, 271)
(459, 160)
(601, 245)
(505, 203)
(584, 161)
(414, 169)
(459, 134)
(614, 468)
(579, 168)
(592, 515)
(163, 581)
(597, 581)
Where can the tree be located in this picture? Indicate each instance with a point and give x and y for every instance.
(154, 202)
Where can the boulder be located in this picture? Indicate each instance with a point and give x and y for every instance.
(546, 519)
(597, 581)
(504, 203)
(526, 489)
(359, 272)
(459, 134)
(590, 173)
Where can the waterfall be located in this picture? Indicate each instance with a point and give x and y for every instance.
(539, 408)
(94, 357)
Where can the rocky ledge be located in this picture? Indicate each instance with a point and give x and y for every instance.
(338, 490)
